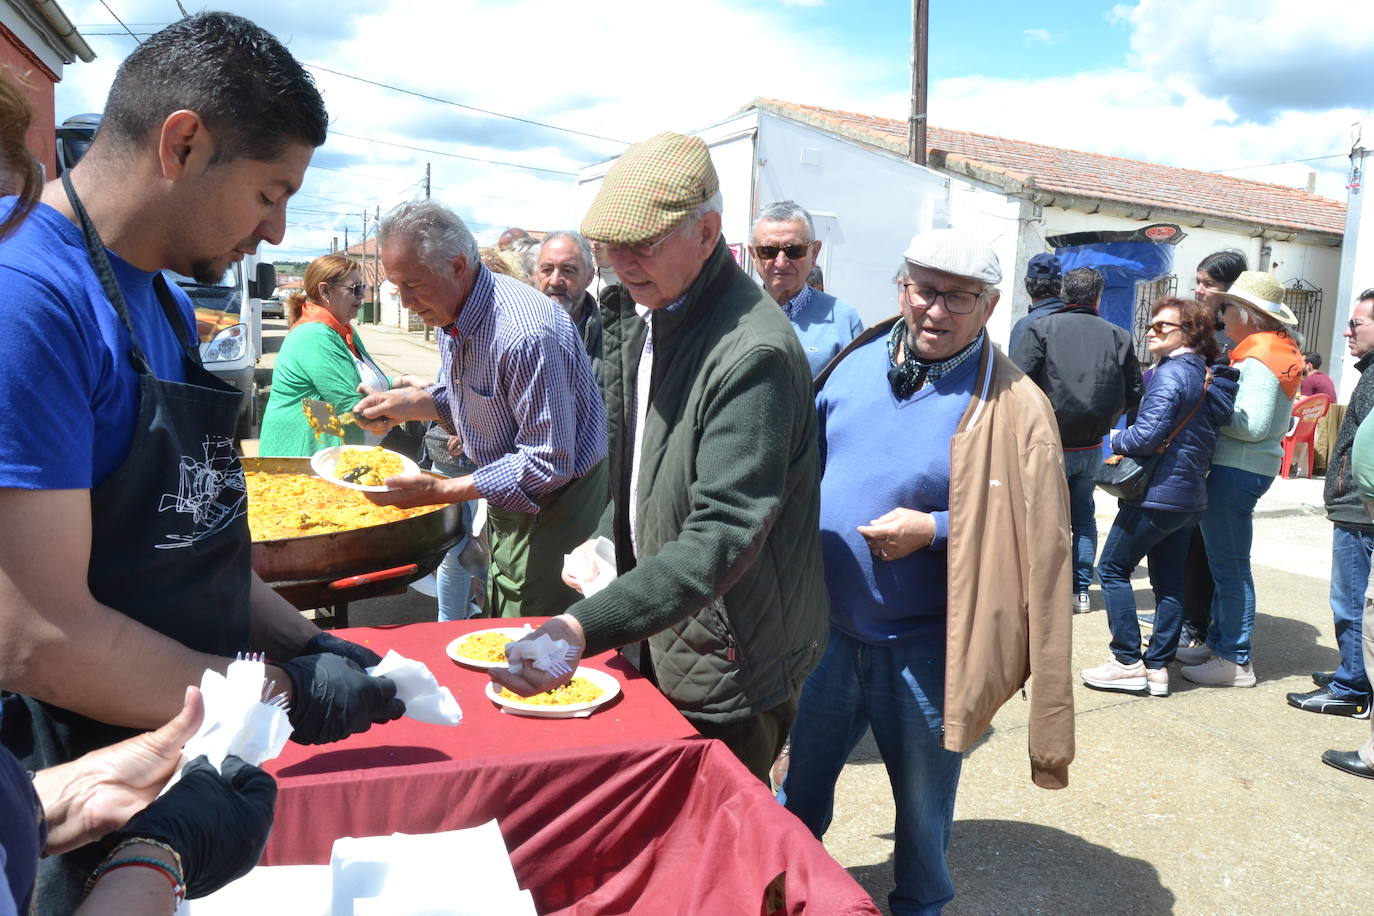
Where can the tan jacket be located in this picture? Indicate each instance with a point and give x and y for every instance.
(1009, 557)
(1009, 613)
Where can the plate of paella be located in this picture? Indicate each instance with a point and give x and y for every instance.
(485, 648)
(580, 697)
(361, 467)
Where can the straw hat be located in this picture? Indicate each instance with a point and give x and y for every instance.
(1262, 292)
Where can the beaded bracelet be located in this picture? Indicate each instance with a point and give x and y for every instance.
(175, 872)
(157, 865)
(145, 841)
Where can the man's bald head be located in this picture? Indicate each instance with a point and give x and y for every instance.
(510, 235)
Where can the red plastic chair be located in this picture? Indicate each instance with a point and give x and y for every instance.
(1303, 431)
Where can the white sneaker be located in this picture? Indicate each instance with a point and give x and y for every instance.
(1220, 672)
(1112, 675)
(1080, 603)
(1195, 655)
(1157, 679)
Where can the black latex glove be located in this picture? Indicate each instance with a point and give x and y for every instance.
(218, 823)
(332, 698)
(361, 656)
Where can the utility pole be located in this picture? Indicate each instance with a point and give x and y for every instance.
(916, 122)
(362, 268)
(377, 262)
(426, 181)
(345, 241)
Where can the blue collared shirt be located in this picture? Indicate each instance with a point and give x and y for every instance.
(798, 302)
(520, 392)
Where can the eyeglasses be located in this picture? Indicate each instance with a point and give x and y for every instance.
(645, 249)
(1158, 328)
(769, 252)
(356, 289)
(957, 301)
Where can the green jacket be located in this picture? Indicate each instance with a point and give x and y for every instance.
(314, 362)
(729, 587)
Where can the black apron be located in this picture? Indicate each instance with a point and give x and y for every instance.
(169, 547)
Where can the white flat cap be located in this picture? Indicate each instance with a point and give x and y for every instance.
(955, 251)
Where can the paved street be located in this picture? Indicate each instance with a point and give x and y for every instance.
(1208, 801)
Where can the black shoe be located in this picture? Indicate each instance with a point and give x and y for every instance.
(1323, 679)
(1348, 762)
(1323, 700)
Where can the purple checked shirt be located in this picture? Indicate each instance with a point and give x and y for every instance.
(519, 391)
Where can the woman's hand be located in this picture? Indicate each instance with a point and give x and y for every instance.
(898, 533)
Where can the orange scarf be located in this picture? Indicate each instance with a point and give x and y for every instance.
(312, 313)
(1276, 350)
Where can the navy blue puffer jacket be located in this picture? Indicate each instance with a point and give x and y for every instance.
(1179, 483)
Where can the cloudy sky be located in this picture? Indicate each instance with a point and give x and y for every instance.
(1260, 89)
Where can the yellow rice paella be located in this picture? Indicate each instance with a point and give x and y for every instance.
(296, 505)
(578, 690)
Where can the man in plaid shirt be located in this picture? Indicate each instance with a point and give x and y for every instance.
(520, 393)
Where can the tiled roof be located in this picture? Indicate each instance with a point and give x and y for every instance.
(1028, 167)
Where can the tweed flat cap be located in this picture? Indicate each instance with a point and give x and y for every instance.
(651, 188)
(955, 251)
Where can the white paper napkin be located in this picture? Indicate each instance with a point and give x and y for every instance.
(455, 873)
(425, 698)
(237, 720)
(599, 573)
(552, 656)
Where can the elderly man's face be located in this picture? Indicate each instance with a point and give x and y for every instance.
(656, 279)
(562, 275)
(783, 277)
(436, 297)
(934, 332)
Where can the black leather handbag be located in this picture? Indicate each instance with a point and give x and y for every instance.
(1129, 478)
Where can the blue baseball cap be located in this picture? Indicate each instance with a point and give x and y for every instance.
(1043, 267)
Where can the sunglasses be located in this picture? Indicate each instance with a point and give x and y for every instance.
(1160, 328)
(1354, 325)
(356, 289)
(769, 252)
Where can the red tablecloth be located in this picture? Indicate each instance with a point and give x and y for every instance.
(627, 811)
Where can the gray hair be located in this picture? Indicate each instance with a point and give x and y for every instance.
(785, 211)
(438, 233)
(714, 204)
(584, 247)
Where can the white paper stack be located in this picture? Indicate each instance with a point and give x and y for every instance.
(457, 873)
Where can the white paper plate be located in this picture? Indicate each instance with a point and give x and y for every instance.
(324, 461)
(609, 685)
(511, 634)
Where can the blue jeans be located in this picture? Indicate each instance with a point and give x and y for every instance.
(1350, 552)
(898, 689)
(1079, 467)
(453, 580)
(1162, 536)
(1228, 529)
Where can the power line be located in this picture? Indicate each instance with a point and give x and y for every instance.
(1265, 165)
(436, 152)
(494, 114)
(120, 21)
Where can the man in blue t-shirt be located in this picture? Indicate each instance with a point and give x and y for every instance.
(944, 533)
(124, 557)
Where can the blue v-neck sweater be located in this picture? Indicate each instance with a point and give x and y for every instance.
(879, 453)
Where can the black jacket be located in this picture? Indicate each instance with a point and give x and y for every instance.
(1087, 368)
(1037, 311)
(1344, 505)
(1179, 481)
